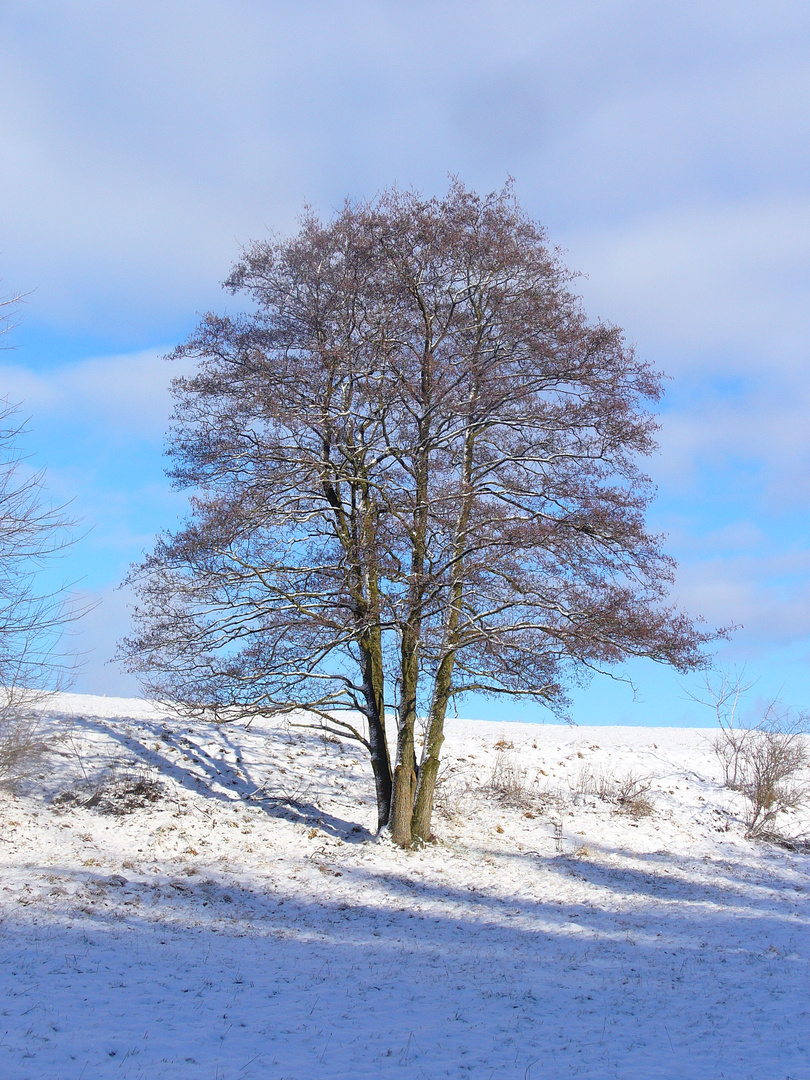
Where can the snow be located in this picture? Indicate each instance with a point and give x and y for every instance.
(248, 924)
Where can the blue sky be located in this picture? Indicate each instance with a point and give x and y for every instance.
(663, 146)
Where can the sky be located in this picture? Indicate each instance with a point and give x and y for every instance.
(664, 147)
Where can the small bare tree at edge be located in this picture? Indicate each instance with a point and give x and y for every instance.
(32, 617)
(766, 760)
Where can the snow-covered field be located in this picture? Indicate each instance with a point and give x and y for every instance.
(247, 924)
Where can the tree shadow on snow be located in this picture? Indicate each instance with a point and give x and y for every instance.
(218, 778)
(397, 908)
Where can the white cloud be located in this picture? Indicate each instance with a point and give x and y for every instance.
(715, 289)
(767, 597)
(664, 145)
(95, 640)
(127, 396)
(142, 144)
(750, 444)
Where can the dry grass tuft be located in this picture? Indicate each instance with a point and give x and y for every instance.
(628, 794)
(509, 784)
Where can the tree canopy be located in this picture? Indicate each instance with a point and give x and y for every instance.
(414, 474)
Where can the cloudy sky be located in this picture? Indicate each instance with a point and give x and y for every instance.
(663, 146)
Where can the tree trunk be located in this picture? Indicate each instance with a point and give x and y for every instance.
(434, 738)
(381, 766)
(402, 803)
(374, 692)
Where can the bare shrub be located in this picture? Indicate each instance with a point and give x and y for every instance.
(771, 766)
(126, 788)
(724, 693)
(585, 783)
(119, 789)
(509, 785)
(33, 665)
(730, 747)
(452, 794)
(765, 760)
(22, 745)
(295, 792)
(629, 793)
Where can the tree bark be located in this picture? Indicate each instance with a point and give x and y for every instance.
(429, 767)
(402, 801)
(434, 737)
(405, 774)
(381, 767)
(371, 660)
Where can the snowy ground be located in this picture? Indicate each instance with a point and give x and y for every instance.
(246, 924)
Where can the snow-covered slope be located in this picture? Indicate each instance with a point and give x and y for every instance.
(247, 924)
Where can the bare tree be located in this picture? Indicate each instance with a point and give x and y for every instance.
(414, 476)
(32, 618)
(774, 765)
(724, 692)
(766, 759)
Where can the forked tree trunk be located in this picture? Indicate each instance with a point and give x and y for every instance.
(381, 766)
(405, 770)
(434, 737)
(371, 662)
(404, 789)
(429, 767)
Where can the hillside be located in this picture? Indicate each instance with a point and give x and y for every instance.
(180, 900)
